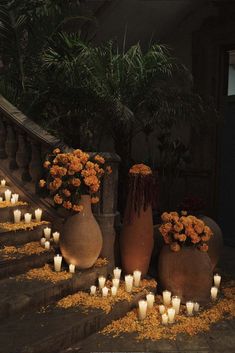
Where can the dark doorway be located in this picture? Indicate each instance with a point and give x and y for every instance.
(226, 205)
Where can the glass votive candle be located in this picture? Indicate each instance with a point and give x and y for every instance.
(176, 304)
(150, 300)
(27, 217)
(166, 297)
(47, 245)
(137, 278)
(101, 281)
(214, 292)
(164, 319)
(47, 232)
(162, 309)
(105, 291)
(117, 273)
(116, 282)
(128, 283)
(189, 307)
(196, 307)
(92, 290)
(171, 315)
(56, 237)
(42, 241)
(217, 280)
(72, 268)
(114, 291)
(142, 311)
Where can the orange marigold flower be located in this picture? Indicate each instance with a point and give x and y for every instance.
(89, 165)
(46, 164)
(67, 205)
(58, 171)
(42, 183)
(175, 247)
(94, 188)
(55, 184)
(75, 166)
(108, 170)
(66, 192)
(178, 227)
(166, 217)
(182, 237)
(206, 237)
(56, 151)
(77, 208)
(58, 199)
(199, 228)
(62, 158)
(75, 182)
(91, 180)
(140, 169)
(208, 231)
(203, 247)
(99, 159)
(95, 200)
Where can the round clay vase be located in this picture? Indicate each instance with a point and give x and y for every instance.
(136, 240)
(186, 273)
(81, 240)
(215, 244)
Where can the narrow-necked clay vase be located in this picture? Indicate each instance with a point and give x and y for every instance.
(81, 240)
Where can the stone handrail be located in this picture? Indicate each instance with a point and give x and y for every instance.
(23, 147)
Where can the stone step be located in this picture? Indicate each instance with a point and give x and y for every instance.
(55, 328)
(6, 213)
(16, 260)
(18, 237)
(26, 292)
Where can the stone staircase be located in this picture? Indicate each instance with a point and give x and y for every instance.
(31, 320)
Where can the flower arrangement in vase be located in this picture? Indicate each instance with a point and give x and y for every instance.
(70, 175)
(184, 230)
(73, 180)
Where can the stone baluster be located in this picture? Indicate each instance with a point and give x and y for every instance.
(23, 156)
(35, 164)
(3, 154)
(11, 147)
(106, 210)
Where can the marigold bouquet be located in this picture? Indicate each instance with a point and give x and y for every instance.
(70, 175)
(178, 231)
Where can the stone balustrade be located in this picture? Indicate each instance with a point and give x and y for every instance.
(23, 147)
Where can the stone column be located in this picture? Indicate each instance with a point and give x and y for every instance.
(106, 210)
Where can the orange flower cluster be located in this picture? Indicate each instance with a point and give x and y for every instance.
(72, 174)
(141, 169)
(184, 230)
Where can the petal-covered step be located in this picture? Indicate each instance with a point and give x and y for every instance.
(56, 327)
(18, 259)
(21, 233)
(40, 286)
(7, 210)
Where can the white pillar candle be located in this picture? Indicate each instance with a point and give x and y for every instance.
(47, 232)
(72, 268)
(101, 281)
(117, 273)
(166, 297)
(114, 290)
(196, 307)
(171, 315)
(1, 199)
(17, 216)
(116, 282)
(217, 280)
(105, 291)
(38, 214)
(214, 292)
(162, 309)
(3, 183)
(190, 306)
(92, 290)
(27, 217)
(142, 312)
(176, 304)
(137, 277)
(57, 262)
(56, 237)
(128, 283)
(150, 300)
(7, 195)
(164, 319)
(13, 200)
(47, 245)
(42, 241)
(16, 197)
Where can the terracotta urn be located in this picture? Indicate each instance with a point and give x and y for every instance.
(81, 240)
(136, 238)
(215, 244)
(187, 273)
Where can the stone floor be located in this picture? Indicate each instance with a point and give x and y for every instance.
(220, 339)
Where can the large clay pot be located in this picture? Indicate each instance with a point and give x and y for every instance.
(136, 240)
(186, 273)
(81, 240)
(215, 244)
